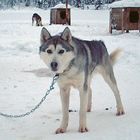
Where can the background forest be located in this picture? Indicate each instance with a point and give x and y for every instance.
(45, 4)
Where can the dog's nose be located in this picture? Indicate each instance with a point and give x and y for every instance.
(54, 66)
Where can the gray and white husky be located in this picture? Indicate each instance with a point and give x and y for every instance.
(75, 61)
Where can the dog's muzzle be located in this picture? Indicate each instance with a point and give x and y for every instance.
(54, 66)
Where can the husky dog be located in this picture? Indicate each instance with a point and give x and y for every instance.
(36, 18)
(75, 61)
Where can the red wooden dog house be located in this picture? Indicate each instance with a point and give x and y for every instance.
(60, 14)
(125, 15)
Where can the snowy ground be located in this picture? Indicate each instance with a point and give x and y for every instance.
(21, 90)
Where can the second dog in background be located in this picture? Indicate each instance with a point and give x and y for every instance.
(37, 19)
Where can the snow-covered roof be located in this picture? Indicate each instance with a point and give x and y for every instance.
(61, 6)
(125, 3)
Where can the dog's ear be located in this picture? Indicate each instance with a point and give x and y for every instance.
(45, 35)
(66, 34)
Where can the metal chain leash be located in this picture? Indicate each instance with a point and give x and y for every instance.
(37, 106)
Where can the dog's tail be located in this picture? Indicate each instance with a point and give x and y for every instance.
(115, 55)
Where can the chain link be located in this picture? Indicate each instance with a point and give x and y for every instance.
(37, 106)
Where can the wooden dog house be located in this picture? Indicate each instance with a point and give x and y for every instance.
(125, 15)
(58, 15)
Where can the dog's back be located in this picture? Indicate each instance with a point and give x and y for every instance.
(92, 53)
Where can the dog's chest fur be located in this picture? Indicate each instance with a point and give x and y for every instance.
(71, 78)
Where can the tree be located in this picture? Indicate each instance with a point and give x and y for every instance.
(11, 3)
(98, 4)
(27, 3)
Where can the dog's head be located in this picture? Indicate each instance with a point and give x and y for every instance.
(56, 51)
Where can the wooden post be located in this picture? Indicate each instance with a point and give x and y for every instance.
(127, 22)
(110, 22)
(139, 20)
(122, 20)
(67, 14)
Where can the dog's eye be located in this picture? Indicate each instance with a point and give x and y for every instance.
(49, 51)
(61, 52)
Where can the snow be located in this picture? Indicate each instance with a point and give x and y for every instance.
(125, 3)
(22, 81)
(61, 6)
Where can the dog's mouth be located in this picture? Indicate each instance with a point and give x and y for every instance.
(54, 69)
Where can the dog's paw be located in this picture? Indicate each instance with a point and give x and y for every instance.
(60, 130)
(88, 109)
(120, 112)
(83, 129)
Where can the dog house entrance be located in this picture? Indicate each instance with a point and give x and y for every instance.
(59, 16)
(134, 17)
(63, 14)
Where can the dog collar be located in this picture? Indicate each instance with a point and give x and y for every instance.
(69, 67)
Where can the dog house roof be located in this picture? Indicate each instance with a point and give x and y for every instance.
(125, 3)
(60, 6)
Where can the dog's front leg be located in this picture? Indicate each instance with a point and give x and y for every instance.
(64, 93)
(83, 110)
